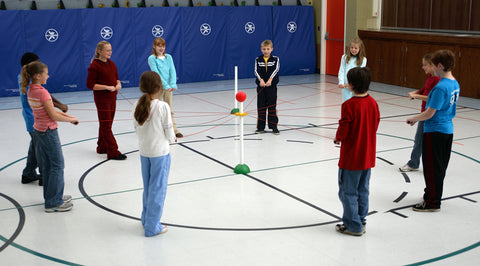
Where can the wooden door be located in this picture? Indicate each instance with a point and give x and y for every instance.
(334, 36)
(468, 67)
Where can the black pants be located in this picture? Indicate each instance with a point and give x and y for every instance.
(437, 148)
(267, 101)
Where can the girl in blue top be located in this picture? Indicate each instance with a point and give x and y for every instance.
(438, 130)
(162, 63)
(354, 57)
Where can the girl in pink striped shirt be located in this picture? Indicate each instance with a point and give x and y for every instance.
(48, 149)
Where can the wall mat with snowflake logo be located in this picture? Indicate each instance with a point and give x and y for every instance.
(205, 42)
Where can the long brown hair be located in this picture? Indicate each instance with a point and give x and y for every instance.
(150, 84)
(361, 51)
(29, 71)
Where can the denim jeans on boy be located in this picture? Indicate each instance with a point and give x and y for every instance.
(155, 172)
(48, 151)
(417, 147)
(30, 169)
(353, 193)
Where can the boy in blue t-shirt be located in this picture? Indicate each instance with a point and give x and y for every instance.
(438, 130)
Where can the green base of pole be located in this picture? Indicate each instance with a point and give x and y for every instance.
(241, 169)
(235, 110)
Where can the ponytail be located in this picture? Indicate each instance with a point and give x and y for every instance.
(142, 111)
(28, 73)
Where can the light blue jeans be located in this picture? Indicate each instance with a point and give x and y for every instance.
(155, 172)
(417, 147)
(346, 94)
(353, 193)
(48, 151)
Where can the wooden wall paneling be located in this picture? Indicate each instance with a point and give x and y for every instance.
(451, 14)
(389, 13)
(414, 75)
(414, 14)
(475, 16)
(392, 59)
(373, 57)
(467, 66)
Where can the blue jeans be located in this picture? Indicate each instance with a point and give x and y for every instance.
(417, 147)
(30, 169)
(48, 151)
(155, 172)
(353, 193)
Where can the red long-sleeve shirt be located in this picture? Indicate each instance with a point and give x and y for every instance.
(104, 73)
(357, 132)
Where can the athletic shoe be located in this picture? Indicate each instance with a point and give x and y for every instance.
(27, 179)
(258, 131)
(119, 157)
(66, 198)
(65, 207)
(407, 168)
(422, 207)
(342, 229)
(164, 230)
(276, 132)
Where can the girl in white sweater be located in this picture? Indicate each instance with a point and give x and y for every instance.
(153, 125)
(354, 57)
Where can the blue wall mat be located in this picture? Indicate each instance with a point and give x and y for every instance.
(205, 42)
(55, 37)
(248, 27)
(151, 23)
(294, 39)
(11, 50)
(116, 26)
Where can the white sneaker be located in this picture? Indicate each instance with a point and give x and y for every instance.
(66, 198)
(164, 230)
(65, 207)
(407, 168)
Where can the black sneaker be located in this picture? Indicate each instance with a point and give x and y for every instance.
(26, 179)
(342, 229)
(276, 132)
(258, 131)
(422, 207)
(120, 157)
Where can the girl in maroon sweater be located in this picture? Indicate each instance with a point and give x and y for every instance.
(103, 80)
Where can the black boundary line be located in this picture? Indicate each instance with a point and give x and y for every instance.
(407, 179)
(467, 199)
(401, 197)
(86, 196)
(210, 137)
(448, 198)
(264, 183)
(385, 160)
(300, 141)
(21, 221)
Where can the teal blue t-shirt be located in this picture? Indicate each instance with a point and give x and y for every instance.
(443, 98)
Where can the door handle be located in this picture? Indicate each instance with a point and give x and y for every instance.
(328, 39)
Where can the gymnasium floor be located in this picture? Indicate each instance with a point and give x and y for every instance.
(282, 213)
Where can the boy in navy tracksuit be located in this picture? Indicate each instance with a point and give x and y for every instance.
(266, 71)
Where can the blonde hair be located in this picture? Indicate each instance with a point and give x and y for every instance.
(150, 84)
(361, 51)
(28, 73)
(157, 42)
(267, 43)
(100, 47)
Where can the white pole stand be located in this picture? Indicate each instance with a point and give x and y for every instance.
(241, 168)
(235, 109)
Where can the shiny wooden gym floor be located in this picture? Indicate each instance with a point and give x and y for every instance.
(281, 213)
